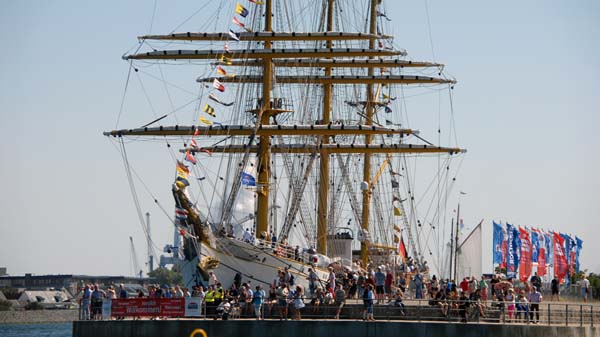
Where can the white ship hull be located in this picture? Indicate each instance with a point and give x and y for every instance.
(256, 264)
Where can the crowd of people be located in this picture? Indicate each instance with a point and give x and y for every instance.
(381, 285)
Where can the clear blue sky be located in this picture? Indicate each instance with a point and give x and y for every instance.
(526, 108)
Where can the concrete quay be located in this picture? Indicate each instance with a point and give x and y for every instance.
(319, 328)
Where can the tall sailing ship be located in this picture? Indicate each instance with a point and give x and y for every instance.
(298, 153)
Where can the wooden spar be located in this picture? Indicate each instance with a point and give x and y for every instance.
(337, 63)
(380, 171)
(267, 52)
(263, 130)
(371, 79)
(266, 36)
(335, 148)
(323, 200)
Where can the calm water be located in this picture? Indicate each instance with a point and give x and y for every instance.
(41, 330)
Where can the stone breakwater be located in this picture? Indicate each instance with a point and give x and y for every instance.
(38, 316)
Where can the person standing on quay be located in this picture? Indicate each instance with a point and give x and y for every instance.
(340, 300)
(368, 298)
(555, 290)
(535, 298)
(585, 288)
(257, 300)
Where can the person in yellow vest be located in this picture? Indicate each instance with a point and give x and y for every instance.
(210, 300)
(219, 294)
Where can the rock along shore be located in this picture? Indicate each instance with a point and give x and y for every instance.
(38, 316)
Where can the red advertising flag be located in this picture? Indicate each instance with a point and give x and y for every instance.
(525, 263)
(541, 262)
(560, 260)
(137, 307)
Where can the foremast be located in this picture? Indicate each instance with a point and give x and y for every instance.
(263, 117)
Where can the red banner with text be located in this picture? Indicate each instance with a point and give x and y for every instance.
(166, 307)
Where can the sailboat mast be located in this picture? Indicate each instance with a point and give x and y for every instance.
(264, 155)
(370, 110)
(324, 163)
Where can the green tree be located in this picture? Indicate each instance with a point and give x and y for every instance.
(595, 285)
(34, 306)
(166, 276)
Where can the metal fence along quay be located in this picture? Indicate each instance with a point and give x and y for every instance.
(490, 312)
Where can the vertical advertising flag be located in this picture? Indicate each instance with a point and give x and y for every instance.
(511, 268)
(516, 248)
(560, 261)
(579, 247)
(525, 261)
(498, 241)
(567, 250)
(549, 248)
(535, 246)
(542, 254)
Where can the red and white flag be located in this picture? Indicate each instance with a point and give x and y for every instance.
(238, 22)
(218, 85)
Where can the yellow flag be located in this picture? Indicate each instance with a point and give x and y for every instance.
(397, 211)
(205, 121)
(226, 60)
(209, 110)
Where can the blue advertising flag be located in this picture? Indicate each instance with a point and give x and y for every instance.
(516, 247)
(579, 247)
(511, 268)
(498, 239)
(549, 248)
(535, 246)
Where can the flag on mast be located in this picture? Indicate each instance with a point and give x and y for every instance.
(238, 22)
(241, 10)
(234, 35)
(218, 85)
(214, 98)
(209, 110)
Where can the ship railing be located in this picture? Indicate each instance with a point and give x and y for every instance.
(282, 250)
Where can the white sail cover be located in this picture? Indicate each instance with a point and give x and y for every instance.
(470, 256)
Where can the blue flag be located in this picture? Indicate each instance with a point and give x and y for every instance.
(498, 240)
(549, 248)
(535, 246)
(511, 267)
(248, 179)
(517, 248)
(579, 247)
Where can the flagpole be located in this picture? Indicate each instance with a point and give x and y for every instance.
(456, 235)
(451, 248)
(456, 241)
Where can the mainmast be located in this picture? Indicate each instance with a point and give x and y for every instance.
(264, 155)
(324, 167)
(370, 108)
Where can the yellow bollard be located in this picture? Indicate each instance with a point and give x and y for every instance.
(198, 331)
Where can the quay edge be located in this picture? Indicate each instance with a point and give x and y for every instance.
(320, 328)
